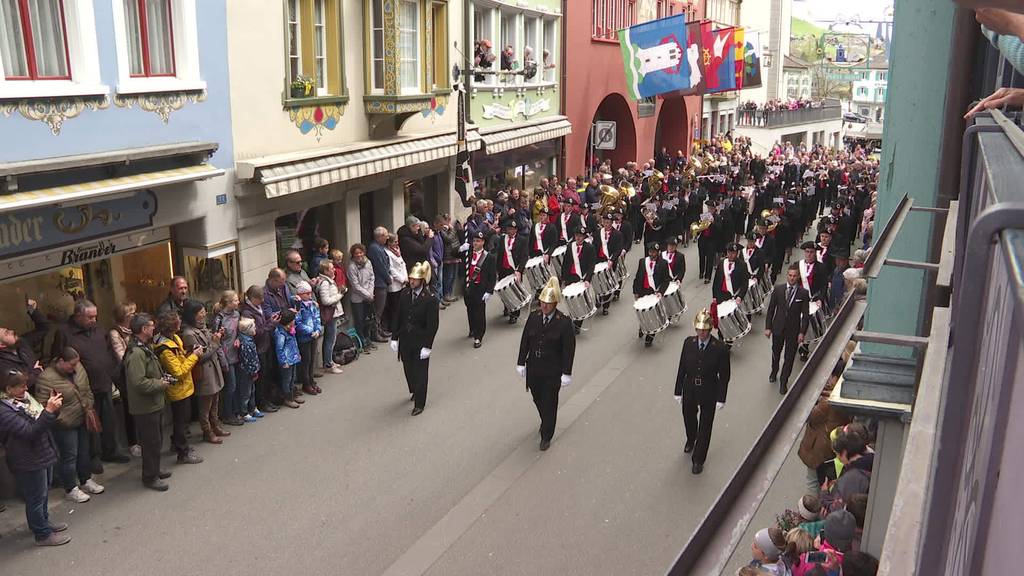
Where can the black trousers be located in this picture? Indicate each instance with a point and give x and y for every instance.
(416, 372)
(545, 397)
(266, 383)
(706, 258)
(698, 419)
(476, 313)
(304, 370)
(181, 414)
(104, 444)
(606, 301)
(149, 428)
(790, 344)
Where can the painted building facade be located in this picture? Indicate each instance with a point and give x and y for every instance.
(516, 95)
(116, 157)
(342, 119)
(595, 86)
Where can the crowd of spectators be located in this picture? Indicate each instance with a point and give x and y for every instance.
(755, 114)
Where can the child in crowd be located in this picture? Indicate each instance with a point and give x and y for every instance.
(287, 349)
(249, 359)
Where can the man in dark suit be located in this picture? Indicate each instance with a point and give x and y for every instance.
(608, 245)
(702, 382)
(413, 329)
(786, 324)
(512, 255)
(546, 353)
(578, 264)
(481, 276)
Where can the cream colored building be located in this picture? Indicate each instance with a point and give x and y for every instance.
(343, 119)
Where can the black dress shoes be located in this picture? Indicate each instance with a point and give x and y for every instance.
(688, 447)
(477, 344)
(783, 389)
(417, 411)
(697, 468)
(544, 444)
(771, 378)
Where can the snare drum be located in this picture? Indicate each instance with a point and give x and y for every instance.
(557, 255)
(651, 314)
(580, 301)
(674, 302)
(816, 326)
(537, 273)
(513, 293)
(732, 322)
(605, 280)
(621, 269)
(754, 301)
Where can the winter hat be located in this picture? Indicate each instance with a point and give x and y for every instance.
(808, 507)
(763, 541)
(303, 287)
(839, 529)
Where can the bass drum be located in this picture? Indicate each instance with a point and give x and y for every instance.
(605, 280)
(513, 293)
(580, 301)
(674, 302)
(732, 322)
(651, 313)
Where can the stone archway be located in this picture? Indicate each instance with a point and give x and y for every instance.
(673, 131)
(615, 107)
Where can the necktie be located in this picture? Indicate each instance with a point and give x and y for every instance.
(702, 346)
(546, 320)
(789, 296)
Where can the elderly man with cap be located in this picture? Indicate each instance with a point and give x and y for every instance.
(702, 382)
(546, 353)
(652, 277)
(413, 328)
(512, 256)
(578, 263)
(481, 275)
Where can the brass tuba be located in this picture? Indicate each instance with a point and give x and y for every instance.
(610, 198)
(627, 190)
(655, 182)
(698, 227)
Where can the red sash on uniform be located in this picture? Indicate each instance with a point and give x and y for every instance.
(649, 276)
(473, 276)
(727, 268)
(576, 250)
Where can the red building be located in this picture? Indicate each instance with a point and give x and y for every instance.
(595, 85)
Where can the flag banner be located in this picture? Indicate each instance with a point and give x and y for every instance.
(658, 58)
(737, 37)
(752, 61)
(694, 56)
(719, 58)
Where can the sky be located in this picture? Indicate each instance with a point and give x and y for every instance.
(826, 11)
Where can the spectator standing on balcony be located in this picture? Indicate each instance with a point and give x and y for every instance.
(508, 59)
(97, 357)
(25, 428)
(483, 58)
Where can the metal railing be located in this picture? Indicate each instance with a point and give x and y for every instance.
(783, 118)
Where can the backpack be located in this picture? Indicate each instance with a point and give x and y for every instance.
(345, 350)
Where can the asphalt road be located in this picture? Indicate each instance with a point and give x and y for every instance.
(352, 484)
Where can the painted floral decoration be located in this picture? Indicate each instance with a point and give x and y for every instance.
(435, 110)
(316, 118)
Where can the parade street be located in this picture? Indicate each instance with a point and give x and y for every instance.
(352, 484)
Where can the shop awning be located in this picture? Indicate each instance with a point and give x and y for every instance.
(96, 188)
(505, 140)
(285, 175)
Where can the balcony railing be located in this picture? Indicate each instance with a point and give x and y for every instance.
(783, 118)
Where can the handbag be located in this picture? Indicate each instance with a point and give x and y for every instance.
(92, 419)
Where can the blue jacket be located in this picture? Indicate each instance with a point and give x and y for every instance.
(381, 265)
(247, 355)
(28, 442)
(436, 250)
(286, 347)
(307, 322)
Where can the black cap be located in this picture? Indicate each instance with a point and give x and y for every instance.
(606, 216)
(581, 230)
(617, 215)
(733, 247)
(509, 223)
(809, 245)
(479, 234)
(751, 236)
(653, 246)
(672, 240)
(569, 200)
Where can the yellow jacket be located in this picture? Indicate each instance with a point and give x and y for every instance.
(177, 363)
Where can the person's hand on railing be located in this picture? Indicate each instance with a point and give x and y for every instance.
(999, 98)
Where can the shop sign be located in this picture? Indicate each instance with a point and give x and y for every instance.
(524, 108)
(80, 254)
(49, 227)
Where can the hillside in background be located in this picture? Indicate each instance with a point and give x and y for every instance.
(802, 28)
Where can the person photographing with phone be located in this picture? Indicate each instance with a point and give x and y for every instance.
(146, 384)
(178, 362)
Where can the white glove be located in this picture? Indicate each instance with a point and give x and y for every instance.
(719, 405)
(394, 345)
(679, 399)
(424, 353)
(521, 371)
(486, 297)
(566, 379)
(464, 247)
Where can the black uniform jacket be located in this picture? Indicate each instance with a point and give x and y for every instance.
(548, 239)
(415, 324)
(588, 257)
(756, 261)
(547, 351)
(677, 269)
(572, 224)
(704, 374)
(661, 278)
(481, 281)
(740, 280)
(819, 281)
(784, 319)
(517, 259)
(615, 246)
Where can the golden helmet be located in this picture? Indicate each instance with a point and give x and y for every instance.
(551, 293)
(703, 320)
(421, 270)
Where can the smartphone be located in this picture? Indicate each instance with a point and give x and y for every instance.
(817, 558)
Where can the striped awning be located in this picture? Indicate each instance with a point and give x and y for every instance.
(97, 188)
(283, 178)
(506, 140)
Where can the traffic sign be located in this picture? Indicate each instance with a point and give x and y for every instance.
(603, 137)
